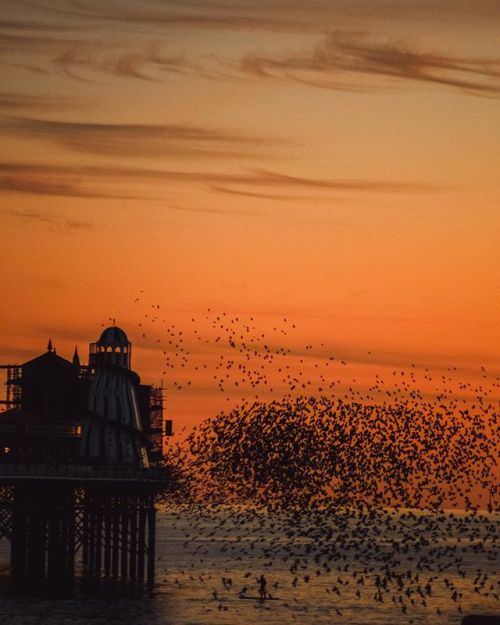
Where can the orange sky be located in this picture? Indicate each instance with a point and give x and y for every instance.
(333, 162)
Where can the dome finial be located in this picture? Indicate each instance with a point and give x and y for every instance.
(76, 358)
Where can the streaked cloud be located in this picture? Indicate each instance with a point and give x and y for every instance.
(148, 140)
(56, 181)
(281, 15)
(343, 62)
(11, 101)
(261, 196)
(81, 51)
(118, 182)
(80, 332)
(268, 178)
(141, 41)
(51, 219)
(85, 58)
(145, 61)
(210, 14)
(22, 42)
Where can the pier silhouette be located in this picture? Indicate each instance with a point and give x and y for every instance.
(80, 445)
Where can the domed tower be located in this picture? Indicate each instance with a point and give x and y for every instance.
(113, 347)
(112, 433)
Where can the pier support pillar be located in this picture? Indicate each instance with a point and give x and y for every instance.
(106, 531)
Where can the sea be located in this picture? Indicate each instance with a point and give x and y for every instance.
(329, 568)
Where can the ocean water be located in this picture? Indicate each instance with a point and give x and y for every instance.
(320, 569)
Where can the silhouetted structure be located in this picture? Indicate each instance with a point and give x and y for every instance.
(78, 448)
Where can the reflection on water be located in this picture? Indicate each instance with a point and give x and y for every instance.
(324, 570)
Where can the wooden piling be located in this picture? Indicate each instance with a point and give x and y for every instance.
(59, 527)
(124, 541)
(107, 542)
(133, 541)
(151, 543)
(141, 540)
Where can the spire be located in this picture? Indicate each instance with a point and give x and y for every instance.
(49, 346)
(76, 359)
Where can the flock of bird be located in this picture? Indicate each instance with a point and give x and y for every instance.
(316, 452)
(244, 359)
(399, 562)
(334, 462)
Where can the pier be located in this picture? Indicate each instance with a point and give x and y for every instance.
(78, 481)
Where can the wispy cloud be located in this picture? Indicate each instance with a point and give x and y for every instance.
(78, 333)
(23, 42)
(177, 13)
(259, 195)
(280, 15)
(85, 38)
(340, 61)
(84, 51)
(268, 178)
(51, 219)
(57, 181)
(12, 101)
(143, 60)
(134, 139)
(86, 59)
(119, 182)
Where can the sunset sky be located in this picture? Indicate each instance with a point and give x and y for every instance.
(332, 162)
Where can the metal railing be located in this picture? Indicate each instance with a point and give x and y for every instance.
(41, 429)
(77, 471)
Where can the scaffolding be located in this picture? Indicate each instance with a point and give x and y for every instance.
(13, 383)
(156, 422)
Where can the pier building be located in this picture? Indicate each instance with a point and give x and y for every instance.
(80, 468)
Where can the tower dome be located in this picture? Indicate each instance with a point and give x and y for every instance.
(113, 336)
(113, 347)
